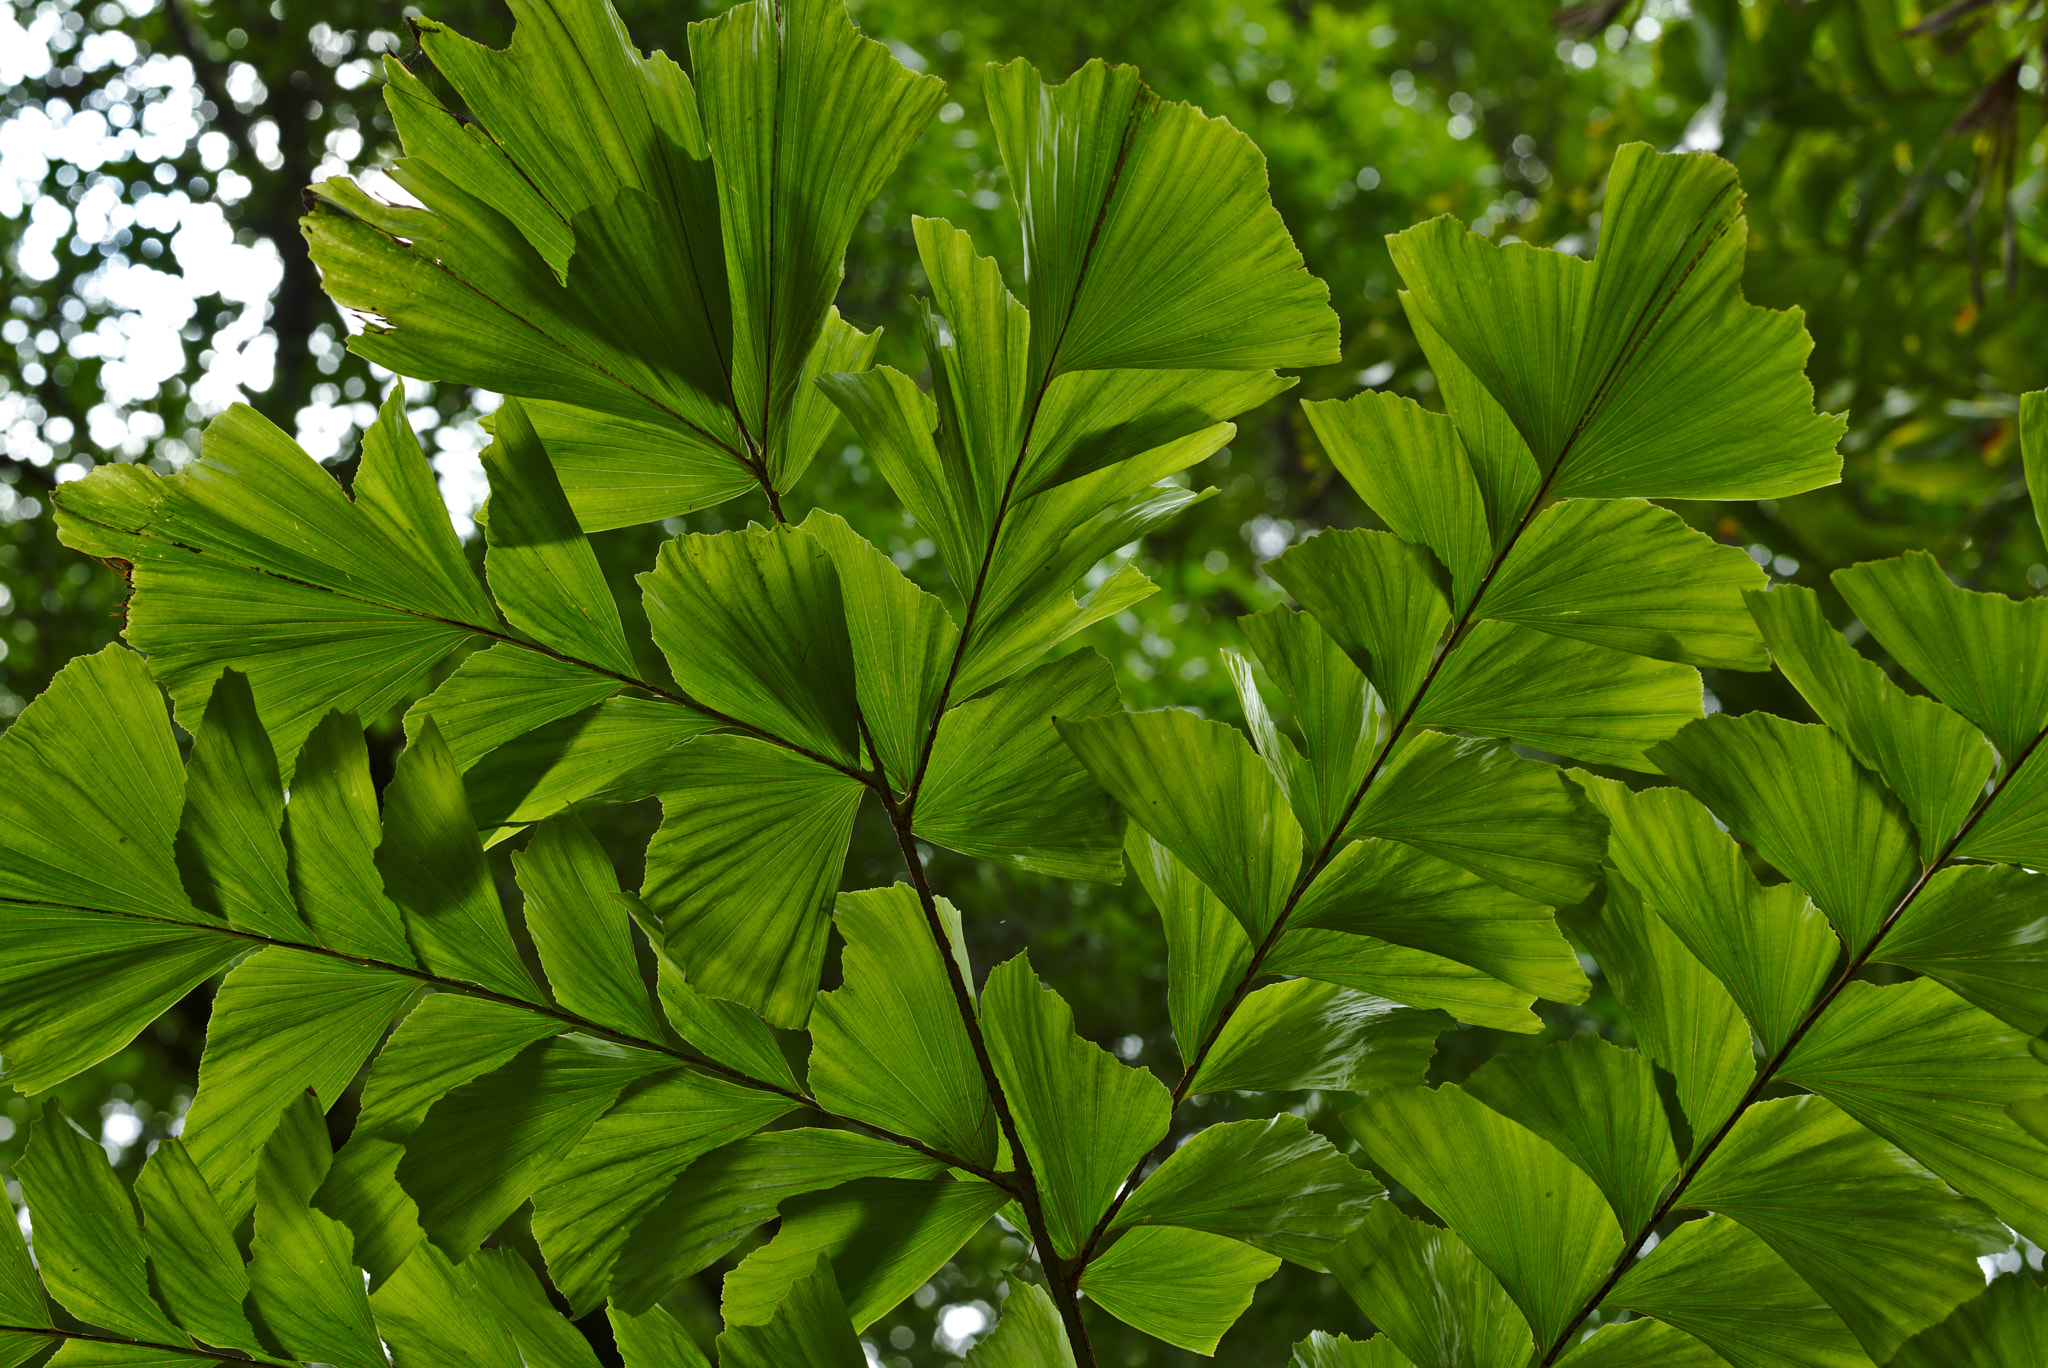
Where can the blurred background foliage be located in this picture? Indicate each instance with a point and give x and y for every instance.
(152, 155)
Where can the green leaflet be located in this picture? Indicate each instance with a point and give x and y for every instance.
(1725, 1287)
(618, 471)
(1085, 1120)
(613, 752)
(1140, 268)
(809, 1326)
(1768, 946)
(1640, 1343)
(1091, 420)
(1432, 1296)
(502, 693)
(888, 1045)
(586, 1205)
(193, 1262)
(1207, 952)
(1397, 893)
(1796, 795)
(22, 1301)
(724, 1195)
(1201, 792)
(1934, 1075)
(804, 120)
(253, 557)
(1932, 759)
(977, 345)
(307, 1294)
(229, 849)
(285, 1023)
(1335, 710)
(1984, 655)
(1629, 575)
(89, 1244)
(1001, 784)
(1982, 932)
(754, 625)
(434, 871)
(581, 932)
(80, 985)
(332, 831)
(515, 1298)
(1273, 1184)
(1340, 1351)
(1414, 977)
(896, 422)
(1598, 1106)
(725, 1031)
(430, 1314)
(2013, 828)
(2006, 1323)
(1029, 1334)
(1564, 696)
(1682, 1017)
(886, 1236)
(1643, 372)
(654, 1340)
(1538, 1222)
(542, 569)
(484, 1148)
(1305, 1033)
(903, 641)
(1186, 1287)
(1888, 1246)
(1379, 597)
(1501, 461)
(1478, 805)
(1410, 467)
(742, 871)
(446, 1041)
(91, 792)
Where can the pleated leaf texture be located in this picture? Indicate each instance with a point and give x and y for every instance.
(651, 1078)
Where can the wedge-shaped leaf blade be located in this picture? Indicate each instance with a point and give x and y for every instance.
(89, 1243)
(1201, 793)
(1274, 1184)
(1430, 1293)
(1640, 1343)
(754, 625)
(587, 1205)
(502, 693)
(1339, 717)
(196, 1269)
(654, 1340)
(306, 1291)
(1322, 1350)
(485, 1147)
(614, 752)
(1186, 1287)
(1769, 947)
(1305, 1033)
(742, 871)
(1598, 1105)
(1002, 786)
(1982, 932)
(1599, 363)
(2006, 1323)
(1626, 574)
(508, 1286)
(542, 569)
(1413, 977)
(1028, 1335)
(1889, 1247)
(1797, 796)
(434, 871)
(1380, 598)
(332, 830)
(724, 1030)
(1984, 655)
(1207, 952)
(1933, 760)
(1934, 1076)
(1148, 237)
(1398, 893)
(1085, 1120)
(723, 1196)
(253, 557)
(230, 846)
(885, 1236)
(1725, 1287)
(430, 1312)
(889, 1045)
(581, 931)
(809, 1326)
(1479, 806)
(1561, 695)
(1533, 1218)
